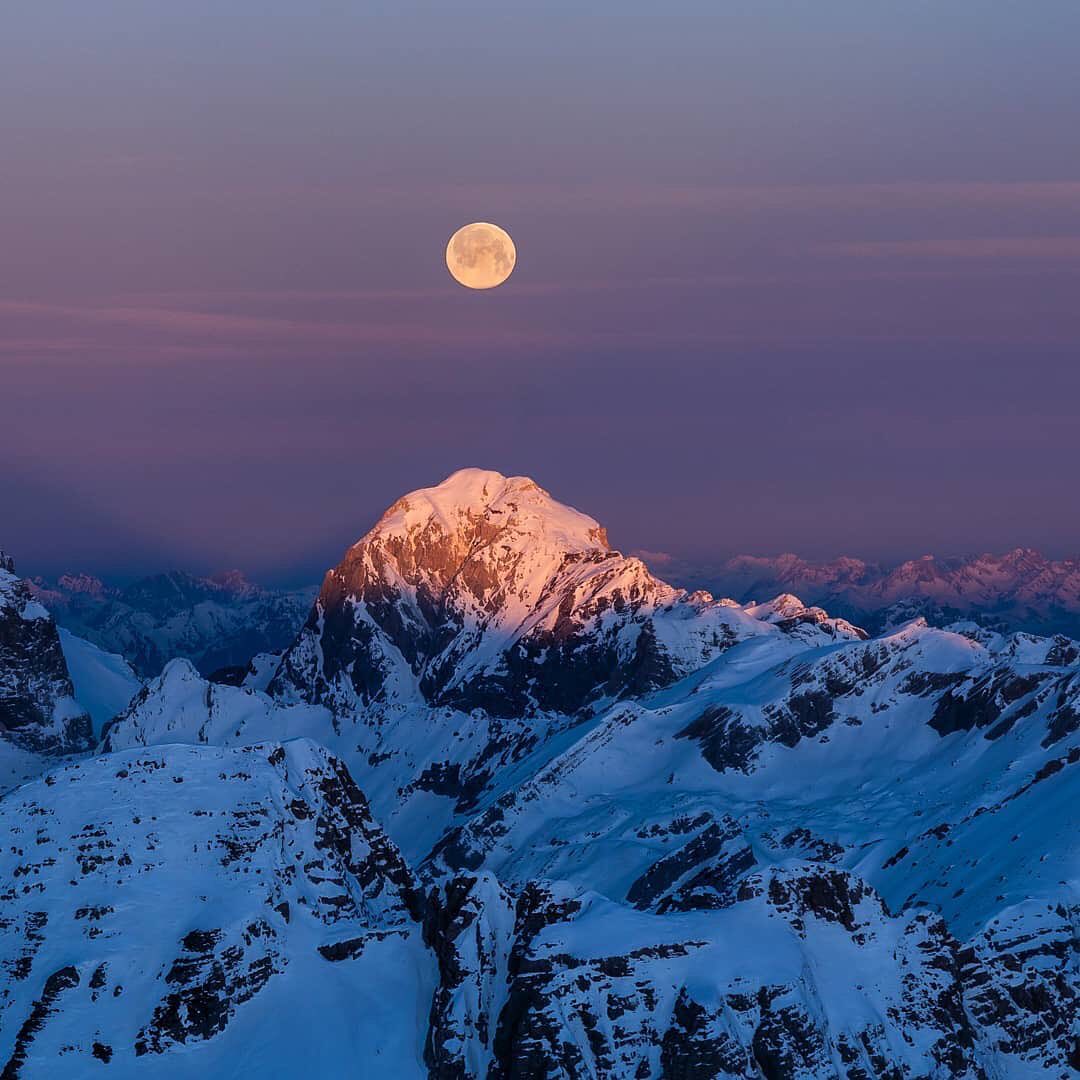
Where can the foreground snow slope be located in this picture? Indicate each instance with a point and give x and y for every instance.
(200, 911)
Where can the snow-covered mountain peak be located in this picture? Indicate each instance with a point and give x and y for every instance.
(479, 550)
(783, 606)
(472, 507)
(9, 583)
(236, 583)
(179, 705)
(485, 592)
(1021, 589)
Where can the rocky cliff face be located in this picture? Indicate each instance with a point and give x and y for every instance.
(858, 862)
(826, 982)
(38, 711)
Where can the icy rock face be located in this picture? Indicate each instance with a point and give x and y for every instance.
(800, 873)
(214, 622)
(38, 711)
(595, 990)
(183, 896)
(805, 974)
(470, 923)
(485, 593)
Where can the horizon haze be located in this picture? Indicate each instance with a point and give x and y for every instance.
(804, 283)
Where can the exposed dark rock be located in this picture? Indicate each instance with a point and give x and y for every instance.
(210, 980)
(726, 743)
(65, 978)
(38, 711)
(353, 947)
(983, 703)
(709, 866)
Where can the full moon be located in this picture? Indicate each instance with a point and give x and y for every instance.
(480, 255)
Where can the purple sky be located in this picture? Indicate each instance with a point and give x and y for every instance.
(790, 276)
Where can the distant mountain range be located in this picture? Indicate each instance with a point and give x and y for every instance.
(215, 622)
(507, 805)
(1020, 590)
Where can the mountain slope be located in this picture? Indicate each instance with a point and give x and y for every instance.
(903, 736)
(104, 682)
(193, 910)
(707, 885)
(463, 640)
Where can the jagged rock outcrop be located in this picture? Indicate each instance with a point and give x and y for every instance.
(828, 788)
(807, 974)
(38, 711)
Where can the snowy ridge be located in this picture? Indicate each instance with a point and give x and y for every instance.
(180, 705)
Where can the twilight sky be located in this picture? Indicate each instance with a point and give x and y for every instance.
(791, 276)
